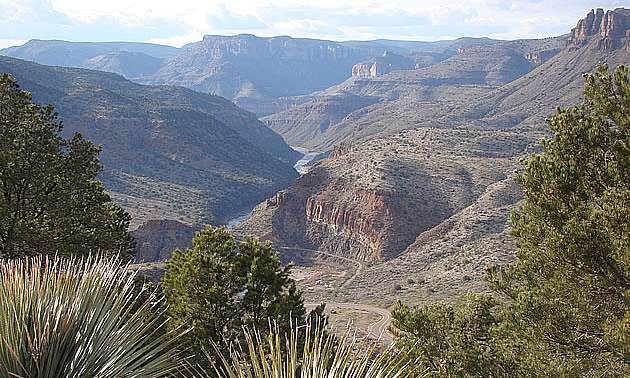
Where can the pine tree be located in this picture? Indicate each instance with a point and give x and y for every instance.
(569, 291)
(219, 289)
(50, 201)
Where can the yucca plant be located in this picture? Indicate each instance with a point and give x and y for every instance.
(79, 318)
(322, 356)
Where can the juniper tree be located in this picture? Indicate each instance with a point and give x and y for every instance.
(50, 200)
(569, 291)
(219, 289)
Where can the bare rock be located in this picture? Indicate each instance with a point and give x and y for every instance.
(610, 27)
(157, 239)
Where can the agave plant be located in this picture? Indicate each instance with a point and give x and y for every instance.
(78, 318)
(322, 356)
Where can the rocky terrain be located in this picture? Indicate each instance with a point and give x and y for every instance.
(403, 98)
(263, 75)
(168, 153)
(157, 239)
(415, 197)
(417, 201)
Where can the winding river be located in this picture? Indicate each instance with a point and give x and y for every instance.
(301, 166)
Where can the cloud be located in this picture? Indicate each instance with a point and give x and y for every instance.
(181, 21)
(11, 42)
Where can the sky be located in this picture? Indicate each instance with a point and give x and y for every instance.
(177, 22)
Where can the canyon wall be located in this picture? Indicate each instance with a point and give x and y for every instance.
(610, 27)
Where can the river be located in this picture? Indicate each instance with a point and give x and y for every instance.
(301, 166)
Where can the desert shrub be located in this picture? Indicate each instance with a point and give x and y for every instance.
(322, 355)
(79, 318)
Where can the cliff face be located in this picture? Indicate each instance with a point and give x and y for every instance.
(381, 65)
(255, 72)
(610, 27)
(370, 201)
(157, 239)
(540, 57)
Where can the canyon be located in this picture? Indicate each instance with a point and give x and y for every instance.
(415, 198)
(410, 193)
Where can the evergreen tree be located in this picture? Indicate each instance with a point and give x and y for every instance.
(451, 341)
(569, 291)
(50, 201)
(219, 289)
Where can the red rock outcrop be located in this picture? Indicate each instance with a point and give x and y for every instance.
(157, 239)
(610, 27)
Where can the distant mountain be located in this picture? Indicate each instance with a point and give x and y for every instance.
(168, 152)
(389, 100)
(128, 64)
(408, 47)
(416, 201)
(76, 54)
(260, 74)
(246, 67)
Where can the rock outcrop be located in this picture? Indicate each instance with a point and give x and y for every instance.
(157, 239)
(381, 65)
(370, 201)
(539, 57)
(610, 27)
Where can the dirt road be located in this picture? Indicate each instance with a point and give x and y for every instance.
(376, 330)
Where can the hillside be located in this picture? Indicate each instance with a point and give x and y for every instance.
(168, 152)
(263, 75)
(125, 58)
(420, 202)
(394, 97)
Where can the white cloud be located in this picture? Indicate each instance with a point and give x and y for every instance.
(11, 42)
(185, 21)
(178, 40)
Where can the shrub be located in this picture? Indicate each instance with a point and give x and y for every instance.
(322, 356)
(78, 318)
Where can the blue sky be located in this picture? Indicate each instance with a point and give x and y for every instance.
(176, 22)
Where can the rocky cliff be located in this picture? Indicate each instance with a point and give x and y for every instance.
(609, 27)
(381, 65)
(370, 201)
(157, 239)
(251, 70)
(420, 202)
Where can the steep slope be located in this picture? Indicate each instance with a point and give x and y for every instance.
(418, 205)
(128, 64)
(166, 154)
(410, 97)
(259, 74)
(249, 67)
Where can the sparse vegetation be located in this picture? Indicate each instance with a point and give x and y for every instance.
(567, 311)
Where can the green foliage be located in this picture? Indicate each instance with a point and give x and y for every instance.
(49, 199)
(569, 291)
(451, 341)
(217, 289)
(78, 318)
(320, 355)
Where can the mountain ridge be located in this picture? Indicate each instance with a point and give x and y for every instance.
(450, 157)
(167, 152)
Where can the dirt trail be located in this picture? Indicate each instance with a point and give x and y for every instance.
(360, 266)
(376, 330)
